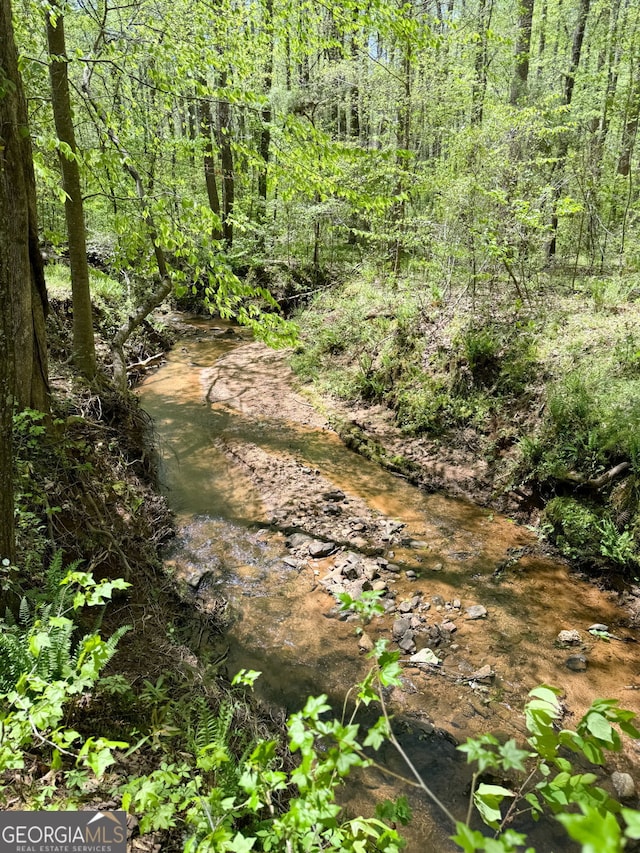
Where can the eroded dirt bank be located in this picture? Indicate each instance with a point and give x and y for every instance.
(275, 514)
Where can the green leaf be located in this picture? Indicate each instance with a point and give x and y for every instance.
(632, 821)
(468, 839)
(240, 844)
(488, 799)
(599, 727)
(597, 832)
(512, 756)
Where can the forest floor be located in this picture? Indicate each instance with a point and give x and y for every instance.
(533, 409)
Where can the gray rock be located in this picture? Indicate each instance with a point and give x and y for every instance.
(624, 785)
(297, 540)
(576, 663)
(411, 575)
(357, 587)
(457, 604)
(599, 627)
(370, 571)
(569, 638)
(405, 607)
(438, 601)
(380, 586)
(407, 643)
(476, 611)
(332, 509)
(485, 673)
(392, 567)
(319, 549)
(400, 627)
(334, 495)
(448, 627)
(292, 562)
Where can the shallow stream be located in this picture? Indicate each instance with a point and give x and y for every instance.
(247, 462)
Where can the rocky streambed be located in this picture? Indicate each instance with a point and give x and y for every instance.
(276, 516)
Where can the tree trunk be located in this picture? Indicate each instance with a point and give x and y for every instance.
(84, 354)
(23, 357)
(226, 161)
(481, 63)
(570, 79)
(630, 130)
(210, 167)
(265, 115)
(523, 47)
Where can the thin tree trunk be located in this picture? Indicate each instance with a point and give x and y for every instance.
(265, 115)
(481, 63)
(164, 285)
(210, 167)
(630, 130)
(523, 47)
(226, 162)
(83, 345)
(570, 78)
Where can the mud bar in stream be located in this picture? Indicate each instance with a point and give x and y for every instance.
(274, 514)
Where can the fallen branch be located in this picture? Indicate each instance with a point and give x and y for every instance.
(596, 482)
(146, 362)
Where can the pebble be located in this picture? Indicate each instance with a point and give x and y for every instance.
(476, 611)
(405, 607)
(569, 638)
(438, 600)
(411, 575)
(437, 568)
(365, 643)
(576, 663)
(624, 785)
(485, 673)
(321, 549)
(449, 627)
(599, 627)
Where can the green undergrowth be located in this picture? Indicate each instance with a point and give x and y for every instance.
(551, 389)
(195, 768)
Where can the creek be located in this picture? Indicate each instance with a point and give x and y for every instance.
(259, 482)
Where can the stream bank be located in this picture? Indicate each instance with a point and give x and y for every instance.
(274, 512)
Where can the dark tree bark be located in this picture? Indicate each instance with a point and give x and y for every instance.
(23, 300)
(210, 166)
(84, 354)
(226, 161)
(265, 115)
(523, 47)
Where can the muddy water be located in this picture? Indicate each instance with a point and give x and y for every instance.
(247, 460)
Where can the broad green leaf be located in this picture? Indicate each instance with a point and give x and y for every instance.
(597, 832)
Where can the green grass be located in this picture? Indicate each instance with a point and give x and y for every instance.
(58, 277)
